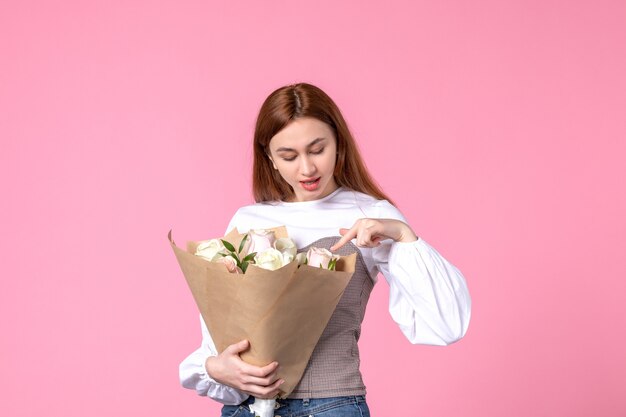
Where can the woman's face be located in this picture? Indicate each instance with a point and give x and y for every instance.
(304, 153)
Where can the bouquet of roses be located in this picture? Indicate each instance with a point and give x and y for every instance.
(262, 248)
(256, 286)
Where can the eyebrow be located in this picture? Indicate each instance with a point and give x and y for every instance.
(313, 143)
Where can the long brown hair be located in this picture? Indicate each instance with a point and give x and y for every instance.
(282, 107)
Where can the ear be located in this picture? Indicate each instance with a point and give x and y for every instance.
(273, 164)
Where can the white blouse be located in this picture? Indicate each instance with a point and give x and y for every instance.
(428, 296)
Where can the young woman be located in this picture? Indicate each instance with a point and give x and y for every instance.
(308, 175)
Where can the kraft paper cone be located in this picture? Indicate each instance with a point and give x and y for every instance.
(282, 313)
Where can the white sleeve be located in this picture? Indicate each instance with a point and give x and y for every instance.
(192, 371)
(428, 296)
(193, 374)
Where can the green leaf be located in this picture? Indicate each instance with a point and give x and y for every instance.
(332, 265)
(244, 266)
(228, 245)
(249, 257)
(243, 241)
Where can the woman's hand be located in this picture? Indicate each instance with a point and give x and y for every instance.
(228, 368)
(369, 233)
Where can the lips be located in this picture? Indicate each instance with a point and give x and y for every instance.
(311, 185)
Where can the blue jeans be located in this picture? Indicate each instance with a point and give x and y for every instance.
(354, 406)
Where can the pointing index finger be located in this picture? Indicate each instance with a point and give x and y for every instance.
(347, 236)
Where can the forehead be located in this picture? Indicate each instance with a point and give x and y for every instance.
(301, 132)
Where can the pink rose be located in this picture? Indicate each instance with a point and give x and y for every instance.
(260, 240)
(319, 257)
(230, 263)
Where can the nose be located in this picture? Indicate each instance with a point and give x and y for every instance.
(307, 167)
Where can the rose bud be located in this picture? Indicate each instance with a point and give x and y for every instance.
(230, 263)
(301, 258)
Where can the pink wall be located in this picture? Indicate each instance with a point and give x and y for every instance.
(498, 127)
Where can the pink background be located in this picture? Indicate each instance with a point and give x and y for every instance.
(497, 126)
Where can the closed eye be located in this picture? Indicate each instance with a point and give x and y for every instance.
(315, 152)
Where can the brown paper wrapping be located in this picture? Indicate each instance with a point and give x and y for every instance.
(282, 313)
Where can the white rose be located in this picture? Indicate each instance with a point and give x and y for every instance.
(260, 240)
(230, 263)
(210, 249)
(287, 258)
(287, 247)
(301, 258)
(269, 259)
(319, 257)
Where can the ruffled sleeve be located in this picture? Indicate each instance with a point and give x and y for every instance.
(193, 374)
(428, 296)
